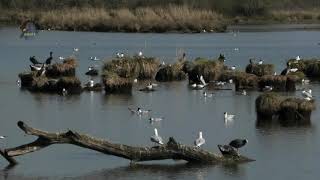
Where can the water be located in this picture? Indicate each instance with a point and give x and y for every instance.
(280, 153)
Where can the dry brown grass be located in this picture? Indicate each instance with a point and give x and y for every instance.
(210, 70)
(67, 68)
(268, 104)
(146, 19)
(171, 73)
(133, 67)
(260, 69)
(295, 16)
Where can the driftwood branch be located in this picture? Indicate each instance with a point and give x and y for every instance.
(171, 150)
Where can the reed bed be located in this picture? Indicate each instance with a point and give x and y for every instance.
(141, 19)
(211, 70)
(172, 72)
(310, 67)
(113, 83)
(287, 111)
(278, 82)
(133, 67)
(67, 68)
(242, 80)
(260, 69)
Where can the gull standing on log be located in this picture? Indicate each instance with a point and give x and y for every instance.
(200, 141)
(156, 138)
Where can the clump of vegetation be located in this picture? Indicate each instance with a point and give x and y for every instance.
(260, 69)
(57, 77)
(35, 83)
(209, 69)
(310, 67)
(119, 73)
(67, 68)
(268, 105)
(113, 83)
(133, 67)
(244, 80)
(287, 111)
(278, 82)
(296, 111)
(171, 73)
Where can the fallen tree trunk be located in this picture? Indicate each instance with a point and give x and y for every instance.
(171, 150)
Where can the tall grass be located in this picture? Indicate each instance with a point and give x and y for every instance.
(146, 19)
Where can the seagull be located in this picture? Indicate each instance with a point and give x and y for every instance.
(36, 67)
(233, 67)
(18, 82)
(220, 83)
(156, 138)
(141, 111)
(307, 94)
(260, 62)
(194, 85)
(244, 92)
(205, 94)
(152, 119)
(64, 92)
(230, 81)
(238, 143)
(90, 83)
(228, 117)
(61, 58)
(236, 49)
(202, 80)
(140, 54)
(135, 80)
(200, 86)
(75, 49)
(267, 88)
(94, 58)
(118, 55)
(305, 81)
(149, 86)
(298, 58)
(307, 99)
(275, 73)
(121, 55)
(154, 85)
(3, 137)
(41, 71)
(200, 141)
(293, 70)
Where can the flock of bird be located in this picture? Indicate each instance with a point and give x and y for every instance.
(200, 140)
(156, 138)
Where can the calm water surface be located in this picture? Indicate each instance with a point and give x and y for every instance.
(281, 153)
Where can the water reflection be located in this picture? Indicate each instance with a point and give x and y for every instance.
(173, 171)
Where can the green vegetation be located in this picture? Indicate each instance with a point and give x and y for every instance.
(156, 15)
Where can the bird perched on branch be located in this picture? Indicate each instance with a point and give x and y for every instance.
(238, 143)
(156, 138)
(200, 141)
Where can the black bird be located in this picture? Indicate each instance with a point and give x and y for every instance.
(48, 61)
(238, 143)
(34, 61)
